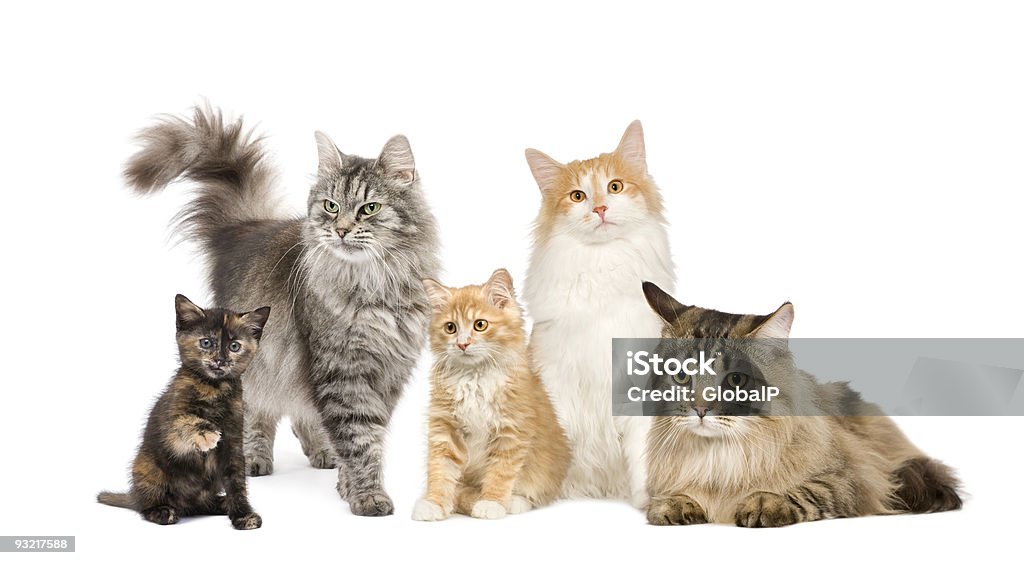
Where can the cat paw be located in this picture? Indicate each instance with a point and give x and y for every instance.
(163, 515)
(518, 504)
(675, 511)
(766, 510)
(258, 466)
(639, 499)
(323, 459)
(371, 504)
(428, 511)
(206, 440)
(250, 521)
(488, 510)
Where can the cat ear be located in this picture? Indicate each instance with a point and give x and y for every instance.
(438, 293)
(331, 158)
(666, 307)
(255, 321)
(498, 289)
(777, 325)
(187, 312)
(397, 161)
(631, 146)
(545, 169)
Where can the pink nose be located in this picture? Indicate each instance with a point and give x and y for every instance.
(600, 210)
(463, 346)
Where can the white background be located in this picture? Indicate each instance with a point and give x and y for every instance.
(861, 159)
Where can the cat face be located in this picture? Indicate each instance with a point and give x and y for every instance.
(217, 343)
(740, 364)
(475, 324)
(600, 199)
(363, 208)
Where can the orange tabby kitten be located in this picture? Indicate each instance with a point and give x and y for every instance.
(495, 446)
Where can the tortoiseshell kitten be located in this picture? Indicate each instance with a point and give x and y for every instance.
(192, 447)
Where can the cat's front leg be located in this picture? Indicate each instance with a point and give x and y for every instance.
(505, 457)
(446, 459)
(768, 510)
(634, 448)
(190, 433)
(675, 510)
(236, 496)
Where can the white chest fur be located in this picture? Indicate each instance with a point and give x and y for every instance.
(476, 396)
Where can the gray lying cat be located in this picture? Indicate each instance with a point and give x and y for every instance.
(715, 462)
(343, 281)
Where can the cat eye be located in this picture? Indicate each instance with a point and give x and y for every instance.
(682, 379)
(577, 196)
(370, 208)
(235, 347)
(615, 186)
(737, 380)
(331, 206)
(480, 325)
(450, 328)
(206, 343)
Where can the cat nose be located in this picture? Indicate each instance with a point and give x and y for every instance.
(462, 346)
(600, 210)
(221, 362)
(342, 232)
(701, 412)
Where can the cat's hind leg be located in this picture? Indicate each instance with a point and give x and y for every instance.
(314, 441)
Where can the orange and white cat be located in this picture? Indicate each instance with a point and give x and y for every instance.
(494, 443)
(599, 233)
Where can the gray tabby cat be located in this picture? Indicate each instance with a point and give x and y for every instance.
(345, 279)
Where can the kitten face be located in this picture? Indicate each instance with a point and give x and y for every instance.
(217, 343)
(600, 199)
(741, 363)
(361, 208)
(474, 324)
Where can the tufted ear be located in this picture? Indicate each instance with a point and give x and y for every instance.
(331, 158)
(631, 146)
(666, 307)
(397, 161)
(186, 312)
(545, 169)
(498, 289)
(778, 324)
(438, 294)
(256, 320)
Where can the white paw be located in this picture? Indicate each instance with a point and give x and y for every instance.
(427, 511)
(488, 510)
(639, 499)
(205, 441)
(518, 505)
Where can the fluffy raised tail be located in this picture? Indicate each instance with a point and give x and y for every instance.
(119, 499)
(224, 160)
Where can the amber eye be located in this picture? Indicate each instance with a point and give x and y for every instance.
(737, 380)
(480, 325)
(682, 379)
(577, 196)
(615, 186)
(450, 327)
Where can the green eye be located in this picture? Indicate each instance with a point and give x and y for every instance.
(737, 380)
(682, 379)
(331, 206)
(370, 208)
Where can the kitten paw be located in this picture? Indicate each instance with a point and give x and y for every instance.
(766, 510)
(206, 440)
(371, 504)
(488, 510)
(323, 459)
(250, 521)
(427, 511)
(518, 504)
(163, 515)
(258, 466)
(675, 511)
